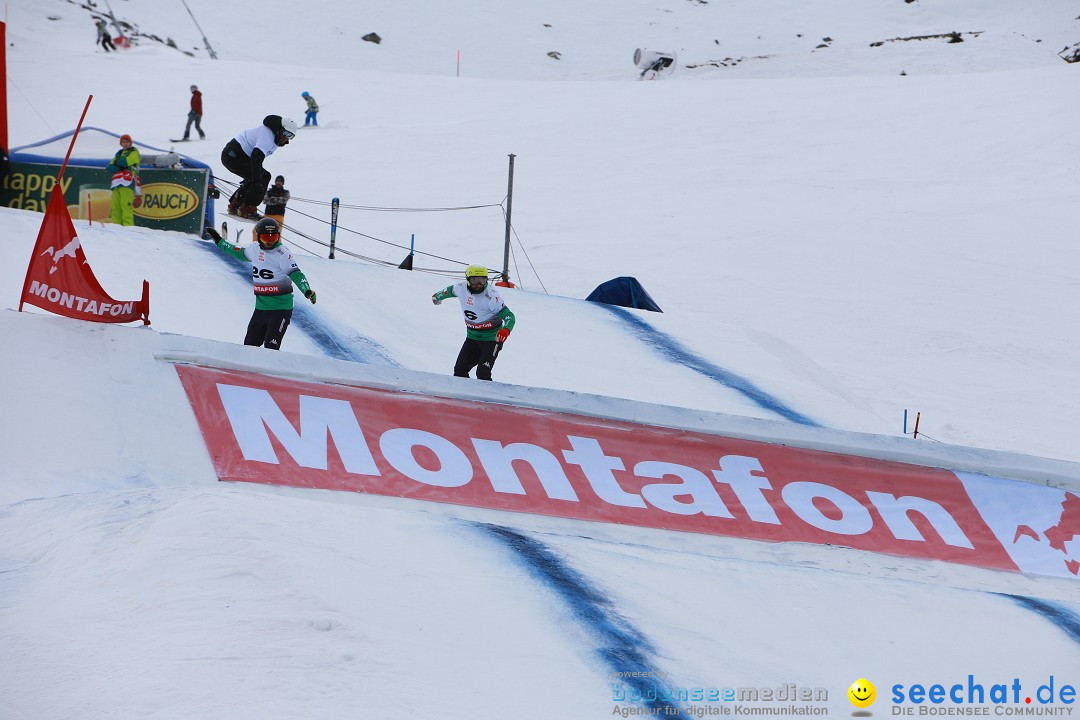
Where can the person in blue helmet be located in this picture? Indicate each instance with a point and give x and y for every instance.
(312, 116)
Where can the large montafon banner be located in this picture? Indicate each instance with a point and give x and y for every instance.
(265, 429)
(172, 199)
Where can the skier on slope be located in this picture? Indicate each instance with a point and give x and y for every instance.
(273, 273)
(195, 114)
(488, 322)
(311, 115)
(103, 37)
(244, 155)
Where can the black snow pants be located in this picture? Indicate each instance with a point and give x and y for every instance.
(267, 328)
(253, 181)
(479, 354)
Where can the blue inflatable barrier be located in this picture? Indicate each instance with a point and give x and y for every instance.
(624, 292)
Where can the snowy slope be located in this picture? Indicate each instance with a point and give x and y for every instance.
(143, 586)
(850, 240)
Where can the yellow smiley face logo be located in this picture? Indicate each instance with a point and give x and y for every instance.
(862, 693)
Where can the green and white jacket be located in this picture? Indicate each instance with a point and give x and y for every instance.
(273, 273)
(484, 312)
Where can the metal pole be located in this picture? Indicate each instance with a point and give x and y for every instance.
(333, 224)
(509, 207)
(210, 50)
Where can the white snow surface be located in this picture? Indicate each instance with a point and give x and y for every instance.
(857, 230)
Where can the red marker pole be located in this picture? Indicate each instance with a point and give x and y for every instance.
(74, 137)
(917, 416)
(3, 85)
(56, 188)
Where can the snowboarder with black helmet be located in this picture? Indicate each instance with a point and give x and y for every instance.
(244, 156)
(274, 271)
(488, 322)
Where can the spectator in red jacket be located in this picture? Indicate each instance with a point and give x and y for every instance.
(195, 114)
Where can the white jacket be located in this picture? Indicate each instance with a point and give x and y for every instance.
(260, 137)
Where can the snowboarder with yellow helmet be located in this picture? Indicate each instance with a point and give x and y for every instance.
(488, 322)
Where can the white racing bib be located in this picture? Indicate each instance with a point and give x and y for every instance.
(270, 269)
(481, 308)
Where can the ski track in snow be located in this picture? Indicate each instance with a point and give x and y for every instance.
(619, 645)
(1066, 620)
(676, 353)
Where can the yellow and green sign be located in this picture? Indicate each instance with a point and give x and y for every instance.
(172, 199)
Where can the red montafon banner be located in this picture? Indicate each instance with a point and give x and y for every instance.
(59, 278)
(265, 429)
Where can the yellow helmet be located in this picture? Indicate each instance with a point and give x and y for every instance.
(476, 271)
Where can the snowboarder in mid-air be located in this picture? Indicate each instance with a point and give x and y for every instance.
(244, 156)
(488, 322)
(273, 272)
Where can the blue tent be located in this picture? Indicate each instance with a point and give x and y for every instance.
(625, 292)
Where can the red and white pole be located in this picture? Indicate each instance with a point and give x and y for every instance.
(3, 86)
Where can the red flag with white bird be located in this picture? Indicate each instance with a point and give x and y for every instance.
(60, 280)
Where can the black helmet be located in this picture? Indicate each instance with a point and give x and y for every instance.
(269, 229)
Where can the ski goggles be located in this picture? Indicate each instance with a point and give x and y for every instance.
(288, 135)
(269, 238)
(478, 280)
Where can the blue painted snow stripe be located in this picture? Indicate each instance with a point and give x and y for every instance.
(348, 345)
(341, 346)
(677, 353)
(621, 647)
(1065, 619)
